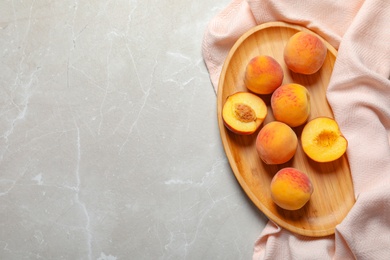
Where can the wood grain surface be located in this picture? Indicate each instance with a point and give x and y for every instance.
(333, 194)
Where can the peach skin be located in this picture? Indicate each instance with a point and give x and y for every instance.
(263, 75)
(290, 104)
(304, 53)
(291, 189)
(276, 143)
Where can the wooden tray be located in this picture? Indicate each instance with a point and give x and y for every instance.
(333, 194)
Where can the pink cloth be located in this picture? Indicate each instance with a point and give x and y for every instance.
(359, 94)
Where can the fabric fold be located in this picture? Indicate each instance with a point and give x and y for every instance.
(221, 34)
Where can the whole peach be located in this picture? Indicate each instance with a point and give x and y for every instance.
(263, 75)
(290, 104)
(304, 53)
(276, 143)
(291, 189)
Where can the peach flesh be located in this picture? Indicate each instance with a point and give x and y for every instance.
(322, 140)
(243, 112)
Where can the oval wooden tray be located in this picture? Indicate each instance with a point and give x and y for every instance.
(333, 194)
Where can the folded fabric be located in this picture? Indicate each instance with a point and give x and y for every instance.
(359, 94)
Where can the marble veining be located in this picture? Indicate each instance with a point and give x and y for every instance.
(109, 143)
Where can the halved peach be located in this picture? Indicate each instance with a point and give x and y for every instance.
(322, 140)
(244, 112)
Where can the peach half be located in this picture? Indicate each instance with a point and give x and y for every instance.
(322, 140)
(290, 104)
(244, 112)
(276, 143)
(263, 75)
(304, 53)
(291, 189)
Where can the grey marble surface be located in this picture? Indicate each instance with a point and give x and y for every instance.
(109, 143)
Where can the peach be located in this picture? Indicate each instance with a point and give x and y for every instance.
(322, 140)
(276, 143)
(244, 112)
(263, 75)
(290, 104)
(291, 189)
(304, 53)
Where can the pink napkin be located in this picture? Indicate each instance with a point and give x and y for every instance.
(359, 94)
